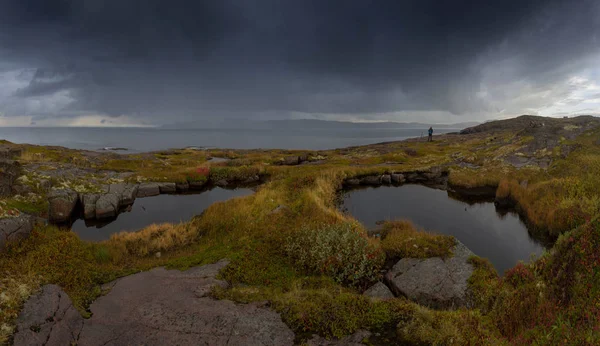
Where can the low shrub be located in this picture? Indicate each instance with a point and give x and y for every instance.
(338, 250)
(401, 239)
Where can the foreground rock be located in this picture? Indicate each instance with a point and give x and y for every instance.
(48, 318)
(158, 307)
(434, 282)
(14, 229)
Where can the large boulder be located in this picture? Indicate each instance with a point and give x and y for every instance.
(107, 206)
(9, 171)
(14, 229)
(61, 204)
(147, 190)
(89, 205)
(434, 282)
(126, 193)
(197, 184)
(48, 318)
(167, 187)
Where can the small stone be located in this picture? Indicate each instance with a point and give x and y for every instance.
(379, 291)
(157, 255)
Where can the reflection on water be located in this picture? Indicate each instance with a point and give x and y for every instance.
(158, 209)
(499, 236)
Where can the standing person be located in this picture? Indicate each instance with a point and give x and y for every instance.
(430, 131)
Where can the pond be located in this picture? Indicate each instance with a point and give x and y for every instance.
(158, 209)
(497, 235)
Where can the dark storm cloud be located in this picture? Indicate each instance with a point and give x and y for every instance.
(199, 58)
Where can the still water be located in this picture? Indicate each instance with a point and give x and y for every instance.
(499, 236)
(158, 209)
(148, 139)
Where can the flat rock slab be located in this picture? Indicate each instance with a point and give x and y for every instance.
(48, 318)
(148, 189)
(434, 282)
(170, 307)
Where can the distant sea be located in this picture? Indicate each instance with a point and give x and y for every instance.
(150, 139)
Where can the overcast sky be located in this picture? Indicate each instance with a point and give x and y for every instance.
(151, 62)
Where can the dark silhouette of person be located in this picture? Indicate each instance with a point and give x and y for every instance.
(430, 132)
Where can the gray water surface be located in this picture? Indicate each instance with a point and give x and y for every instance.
(157, 209)
(149, 139)
(499, 236)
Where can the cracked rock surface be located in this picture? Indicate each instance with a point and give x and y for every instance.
(157, 307)
(435, 282)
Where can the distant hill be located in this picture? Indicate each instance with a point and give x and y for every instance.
(310, 124)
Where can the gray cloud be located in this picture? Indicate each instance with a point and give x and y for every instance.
(169, 61)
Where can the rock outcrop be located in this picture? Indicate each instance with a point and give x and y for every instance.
(14, 229)
(61, 205)
(434, 282)
(157, 307)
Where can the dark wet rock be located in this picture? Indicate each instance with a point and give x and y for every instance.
(197, 185)
(107, 206)
(434, 282)
(61, 205)
(15, 229)
(148, 189)
(126, 193)
(9, 171)
(414, 177)
(251, 180)
(89, 205)
(222, 183)
(138, 310)
(398, 178)
(355, 339)
(352, 182)
(386, 179)
(182, 187)
(291, 160)
(379, 291)
(371, 180)
(167, 187)
(48, 318)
